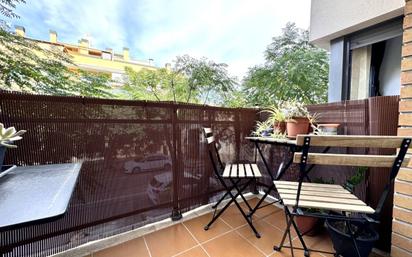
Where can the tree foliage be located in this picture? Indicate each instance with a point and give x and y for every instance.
(294, 69)
(28, 66)
(155, 85)
(191, 80)
(206, 79)
(7, 7)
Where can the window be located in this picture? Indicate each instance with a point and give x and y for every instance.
(366, 63)
(375, 59)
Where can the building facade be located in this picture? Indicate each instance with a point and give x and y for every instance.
(91, 59)
(370, 44)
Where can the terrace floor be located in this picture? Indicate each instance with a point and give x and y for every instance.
(229, 236)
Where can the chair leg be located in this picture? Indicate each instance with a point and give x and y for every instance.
(250, 214)
(290, 222)
(241, 195)
(247, 219)
(244, 214)
(215, 217)
(291, 242)
(222, 198)
(306, 251)
(287, 232)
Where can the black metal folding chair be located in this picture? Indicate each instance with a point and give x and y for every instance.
(235, 173)
(335, 202)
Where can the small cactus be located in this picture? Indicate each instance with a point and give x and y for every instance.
(9, 135)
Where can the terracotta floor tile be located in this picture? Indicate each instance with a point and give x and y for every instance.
(320, 242)
(233, 216)
(277, 219)
(267, 211)
(196, 227)
(195, 252)
(133, 248)
(229, 245)
(269, 236)
(169, 241)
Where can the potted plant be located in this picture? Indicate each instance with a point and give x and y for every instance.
(7, 137)
(308, 225)
(297, 118)
(366, 236)
(328, 129)
(265, 129)
(278, 118)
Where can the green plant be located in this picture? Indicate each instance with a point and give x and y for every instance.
(294, 109)
(276, 114)
(323, 181)
(9, 135)
(261, 127)
(313, 120)
(265, 128)
(356, 179)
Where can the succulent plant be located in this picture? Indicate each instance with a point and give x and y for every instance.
(9, 135)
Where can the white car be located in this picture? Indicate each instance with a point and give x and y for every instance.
(159, 188)
(149, 163)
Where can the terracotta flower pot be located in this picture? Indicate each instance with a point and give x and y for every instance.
(280, 127)
(297, 126)
(307, 225)
(328, 129)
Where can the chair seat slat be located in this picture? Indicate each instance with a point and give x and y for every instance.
(234, 171)
(312, 188)
(226, 172)
(256, 170)
(248, 170)
(325, 199)
(280, 182)
(343, 195)
(330, 206)
(241, 169)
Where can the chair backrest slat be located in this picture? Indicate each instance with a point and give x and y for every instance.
(352, 141)
(207, 130)
(209, 135)
(351, 160)
(210, 139)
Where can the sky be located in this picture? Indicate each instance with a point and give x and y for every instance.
(235, 32)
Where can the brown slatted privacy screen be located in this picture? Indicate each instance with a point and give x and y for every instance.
(141, 160)
(383, 116)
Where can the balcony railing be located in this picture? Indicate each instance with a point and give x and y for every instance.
(144, 161)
